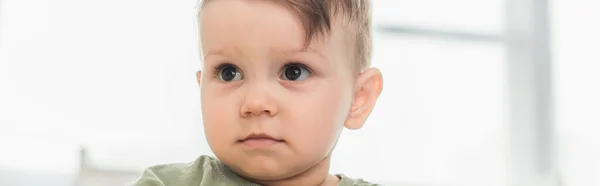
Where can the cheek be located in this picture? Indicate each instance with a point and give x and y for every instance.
(318, 118)
(217, 116)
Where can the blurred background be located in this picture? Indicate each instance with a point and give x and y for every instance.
(477, 92)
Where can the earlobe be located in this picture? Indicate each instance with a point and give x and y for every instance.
(199, 76)
(368, 87)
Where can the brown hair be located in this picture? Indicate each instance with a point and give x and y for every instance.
(317, 15)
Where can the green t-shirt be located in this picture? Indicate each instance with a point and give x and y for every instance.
(207, 171)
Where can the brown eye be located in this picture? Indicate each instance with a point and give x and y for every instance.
(295, 72)
(229, 73)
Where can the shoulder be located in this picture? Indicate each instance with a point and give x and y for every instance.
(346, 181)
(192, 173)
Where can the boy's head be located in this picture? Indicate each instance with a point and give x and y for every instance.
(281, 79)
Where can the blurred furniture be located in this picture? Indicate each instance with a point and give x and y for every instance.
(90, 175)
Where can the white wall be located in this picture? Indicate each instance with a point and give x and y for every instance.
(576, 43)
(93, 73)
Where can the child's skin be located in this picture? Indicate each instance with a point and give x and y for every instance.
(296, 99)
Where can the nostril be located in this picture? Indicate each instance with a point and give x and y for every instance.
(249, 113)
(258, 107)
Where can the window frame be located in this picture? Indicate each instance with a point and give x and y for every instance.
(531, 126)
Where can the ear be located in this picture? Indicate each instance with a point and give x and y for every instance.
(366, 91)
(198, 76)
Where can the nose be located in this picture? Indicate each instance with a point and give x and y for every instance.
(259, 100)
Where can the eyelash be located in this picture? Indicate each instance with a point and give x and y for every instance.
(221, 66)
(299, 64)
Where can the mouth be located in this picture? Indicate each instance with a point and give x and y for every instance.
(260, 140)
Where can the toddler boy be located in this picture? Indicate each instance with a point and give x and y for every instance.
(280, 80)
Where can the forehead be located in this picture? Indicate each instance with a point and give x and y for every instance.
(259, 24)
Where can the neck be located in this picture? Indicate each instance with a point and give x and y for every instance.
(317, 175)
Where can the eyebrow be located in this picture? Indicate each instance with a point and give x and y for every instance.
(237, 50)
(303, 50)
(222, 52)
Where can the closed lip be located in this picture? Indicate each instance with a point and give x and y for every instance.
(260, 136)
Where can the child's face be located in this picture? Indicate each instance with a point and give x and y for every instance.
(258, 81)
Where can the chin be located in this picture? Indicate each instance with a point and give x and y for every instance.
(263, 169)
(263, 175)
